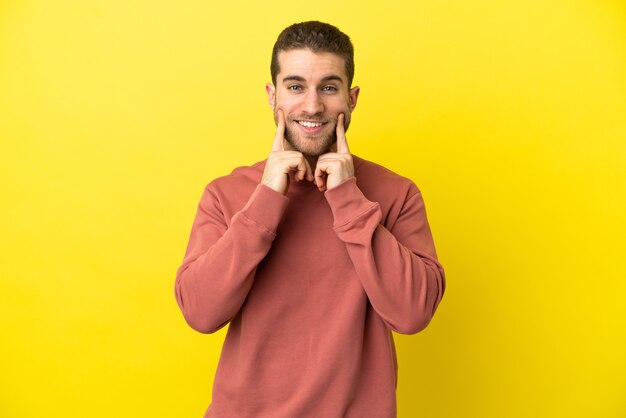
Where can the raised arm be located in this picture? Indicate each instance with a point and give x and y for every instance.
(222, 256)
(397, 267)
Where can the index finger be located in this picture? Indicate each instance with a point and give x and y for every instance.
(342, 143)
(280, 132)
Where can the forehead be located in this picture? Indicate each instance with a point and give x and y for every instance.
(310, 65)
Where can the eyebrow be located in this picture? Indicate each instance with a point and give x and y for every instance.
(331, 77)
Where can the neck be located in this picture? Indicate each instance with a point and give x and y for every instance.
(312, 160)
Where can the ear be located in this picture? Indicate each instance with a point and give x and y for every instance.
(271, 94)
(354, 95)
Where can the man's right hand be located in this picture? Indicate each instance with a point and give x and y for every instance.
(281, 162)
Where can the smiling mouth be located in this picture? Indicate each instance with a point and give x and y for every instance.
(309, 124)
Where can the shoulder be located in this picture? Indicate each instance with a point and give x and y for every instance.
(393, 192)
(230, 193)
(240, 177)
(375, 179)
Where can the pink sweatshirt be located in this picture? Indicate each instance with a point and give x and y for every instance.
(312, 284)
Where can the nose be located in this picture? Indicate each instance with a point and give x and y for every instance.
(313, 103)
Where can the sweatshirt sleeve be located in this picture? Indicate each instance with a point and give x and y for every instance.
(221, 259)
(397, 267)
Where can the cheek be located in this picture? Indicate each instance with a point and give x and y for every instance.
(285, 102)
(346, 122)
(342, 106)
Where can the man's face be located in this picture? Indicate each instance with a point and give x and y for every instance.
(311, 90)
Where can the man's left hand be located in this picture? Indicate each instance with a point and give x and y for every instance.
(333, 168)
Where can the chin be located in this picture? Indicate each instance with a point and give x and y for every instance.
(314, 151)
(321, 145)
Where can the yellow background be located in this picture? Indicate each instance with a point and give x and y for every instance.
(510, 116)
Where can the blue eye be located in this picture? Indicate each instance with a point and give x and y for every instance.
(294, 87)
(329, 88)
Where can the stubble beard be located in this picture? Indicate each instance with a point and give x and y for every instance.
(310, 147)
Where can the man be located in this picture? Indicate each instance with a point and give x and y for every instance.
(312, 256)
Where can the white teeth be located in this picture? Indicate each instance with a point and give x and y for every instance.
(309, 124)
